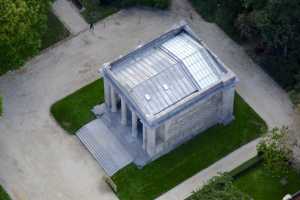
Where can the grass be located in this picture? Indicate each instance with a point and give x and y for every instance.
(55, 31)
(190, 158)
(94, 12)
(245, 166)
(260, 185)
(3, 194)
(74, 111)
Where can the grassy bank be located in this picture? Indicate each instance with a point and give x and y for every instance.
(3, 194)
(55, 31)
(261, 185)
(95, 11)
(74, 111)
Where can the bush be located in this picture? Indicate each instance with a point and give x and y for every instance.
(162, 4)
(3, 194)
(245, 166)
(220, 188)
(246, 27)
(275, 152)
(282, 70)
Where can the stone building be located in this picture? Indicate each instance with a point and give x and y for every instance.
(169, 90)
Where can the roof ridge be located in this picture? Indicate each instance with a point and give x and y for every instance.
(184, 67)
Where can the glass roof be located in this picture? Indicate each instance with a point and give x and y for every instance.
(161, 75)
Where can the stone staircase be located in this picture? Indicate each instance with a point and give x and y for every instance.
(123, 133)
(104, 147)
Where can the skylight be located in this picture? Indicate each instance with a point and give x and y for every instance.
(165, 86)
(147, 97)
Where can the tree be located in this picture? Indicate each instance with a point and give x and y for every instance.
(219, 188)
(22, 24)
(275, 151)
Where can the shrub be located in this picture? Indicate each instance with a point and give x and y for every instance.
(245, 26)
(162, 4)
(275, 152)
(283, 71)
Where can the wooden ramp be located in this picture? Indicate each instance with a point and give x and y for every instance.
(104, 146)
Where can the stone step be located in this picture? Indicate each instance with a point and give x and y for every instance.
(98, 153)
(104, 146)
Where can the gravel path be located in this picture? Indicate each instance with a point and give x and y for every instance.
(39, 161)
(69, 15)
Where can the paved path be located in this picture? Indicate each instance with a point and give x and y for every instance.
(69, 15)
(39, 161)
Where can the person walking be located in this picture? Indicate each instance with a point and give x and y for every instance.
(92, 27)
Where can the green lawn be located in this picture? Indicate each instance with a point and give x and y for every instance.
(190, 158)
(55, 31)
(74, 111)
(94, 12)
(3, 194)
(260, 185)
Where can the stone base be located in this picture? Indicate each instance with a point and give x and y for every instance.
(99, 110)
(123, 133)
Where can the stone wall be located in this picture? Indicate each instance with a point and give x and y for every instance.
(204, 114)
(197, 118)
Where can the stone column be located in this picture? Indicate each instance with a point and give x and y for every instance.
(134, 124)
(123, 111)
(113, 100)
(227, 105)
(144, 137)
(107, 92)
(151, 141)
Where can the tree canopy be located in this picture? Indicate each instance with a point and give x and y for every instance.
(22, 24)
(275, 151)
(271, 29)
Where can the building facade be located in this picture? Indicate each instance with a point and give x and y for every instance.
(169, 90)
